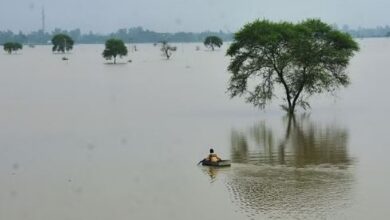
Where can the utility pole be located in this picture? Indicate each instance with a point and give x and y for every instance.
(43, 19)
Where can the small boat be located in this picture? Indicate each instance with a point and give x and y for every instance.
(222, 163)
(65, 58)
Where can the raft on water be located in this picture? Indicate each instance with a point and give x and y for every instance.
(222, 163)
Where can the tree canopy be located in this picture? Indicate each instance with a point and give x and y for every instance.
(114, 48)
(167, 50)
(212, 42)
(62, 43)
(12, 47)
(302, 59)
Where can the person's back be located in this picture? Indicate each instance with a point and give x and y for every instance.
(213, 156)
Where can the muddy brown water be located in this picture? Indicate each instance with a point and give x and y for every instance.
(82, 139)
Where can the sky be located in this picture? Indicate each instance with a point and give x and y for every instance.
(105, 16)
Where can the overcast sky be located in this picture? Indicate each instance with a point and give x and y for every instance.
(105, 16)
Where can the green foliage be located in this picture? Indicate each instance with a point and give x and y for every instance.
(167, 50)
(114, 48)
(303, 59)
(12, 47)
(212, 42)
(62, 43)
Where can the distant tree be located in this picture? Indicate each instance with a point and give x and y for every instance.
(212, 42)
(303, 59)
(12, 47)
(388, 34)
(167, 49)
(114, 48)
(62, 43)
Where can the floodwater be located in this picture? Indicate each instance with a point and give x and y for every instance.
(83, 139)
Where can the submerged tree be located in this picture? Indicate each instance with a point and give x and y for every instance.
(62, 43)
(12, 47)
(212, 42)
(114, 48)
(304, 59)
(167, 49)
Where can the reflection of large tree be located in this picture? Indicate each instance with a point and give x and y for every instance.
(239, 147)
(315, 145)
(299, 190)
(302, 143)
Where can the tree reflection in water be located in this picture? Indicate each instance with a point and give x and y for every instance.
(300, 172)
(302, 143)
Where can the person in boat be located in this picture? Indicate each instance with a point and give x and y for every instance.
(212, 157)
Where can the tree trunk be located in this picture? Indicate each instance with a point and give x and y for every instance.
(114, 59)
(298, 93)
(290, 108)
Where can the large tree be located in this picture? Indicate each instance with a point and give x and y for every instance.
(212, 42)
(114, 48)
(62, 43)
(303, 59)
(12, 47)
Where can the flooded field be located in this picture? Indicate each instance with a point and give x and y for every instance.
(84, 139)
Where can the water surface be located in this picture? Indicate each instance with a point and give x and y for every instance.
(82, 139)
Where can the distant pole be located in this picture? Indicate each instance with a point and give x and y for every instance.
(43, 19)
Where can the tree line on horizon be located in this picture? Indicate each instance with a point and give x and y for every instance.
(141, 35)
(379, 31)
(131, 35)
